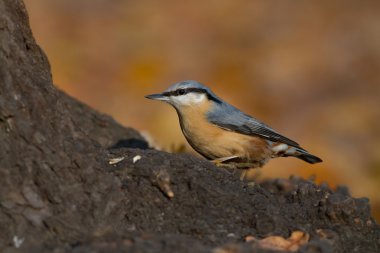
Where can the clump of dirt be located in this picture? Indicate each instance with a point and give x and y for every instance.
(74, 180)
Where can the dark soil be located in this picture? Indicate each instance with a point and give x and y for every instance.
(59, 192)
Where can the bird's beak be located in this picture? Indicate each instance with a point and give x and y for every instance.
(157, 97)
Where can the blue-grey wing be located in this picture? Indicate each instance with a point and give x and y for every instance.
(231, 119)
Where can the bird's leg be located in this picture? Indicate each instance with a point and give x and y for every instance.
(236, 165)
(246, 165)
(242, 175)
(219, 162)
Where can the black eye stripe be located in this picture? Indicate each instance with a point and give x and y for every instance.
(184, 91)
(180, 92)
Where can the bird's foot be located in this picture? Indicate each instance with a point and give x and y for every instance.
(223, 159)
(235, 165)
(245, 165)
(243, 174)
(228, 167)
(221, 162)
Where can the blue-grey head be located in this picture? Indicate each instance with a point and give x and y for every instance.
(186, 93)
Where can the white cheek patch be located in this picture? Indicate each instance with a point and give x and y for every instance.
(189, 99)
(197, 97)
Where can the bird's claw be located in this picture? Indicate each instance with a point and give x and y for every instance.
(234, 165)
(224, 159)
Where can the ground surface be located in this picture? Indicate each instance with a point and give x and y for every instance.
(71, 181)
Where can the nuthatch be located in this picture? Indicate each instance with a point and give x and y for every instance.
(222, 133)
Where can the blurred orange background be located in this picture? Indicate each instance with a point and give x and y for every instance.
(309, 69)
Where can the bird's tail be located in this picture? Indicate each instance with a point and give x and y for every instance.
(305, 156)
(309, 158)
(285, 150)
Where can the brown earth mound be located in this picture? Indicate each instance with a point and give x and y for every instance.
(73, 180)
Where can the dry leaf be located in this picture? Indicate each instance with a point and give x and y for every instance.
(293, 243)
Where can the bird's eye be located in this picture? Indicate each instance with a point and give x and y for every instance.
(181, 92)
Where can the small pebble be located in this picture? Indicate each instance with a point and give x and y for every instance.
(17, 241)
(136, 158)
(116, 160)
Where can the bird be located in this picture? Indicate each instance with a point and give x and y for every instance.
(222, 133)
